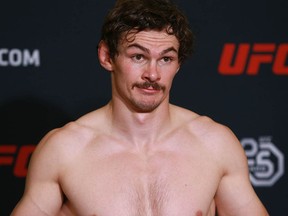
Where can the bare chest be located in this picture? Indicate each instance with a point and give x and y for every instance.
(135, 185)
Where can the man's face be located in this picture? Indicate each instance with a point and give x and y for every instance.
(144, 69)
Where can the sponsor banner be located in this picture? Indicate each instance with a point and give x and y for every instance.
(246, 58)
(16, 157)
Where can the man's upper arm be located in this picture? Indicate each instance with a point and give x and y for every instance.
(235, 195)
(42, 194)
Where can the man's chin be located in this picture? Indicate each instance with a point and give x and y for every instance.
(145, 107)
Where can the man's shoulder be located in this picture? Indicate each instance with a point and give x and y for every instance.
(82, 129)
(70, 132)
(61, 139)
(196, 121)
(72, 136)
(204, 127)
(75, 132)
(215, 138)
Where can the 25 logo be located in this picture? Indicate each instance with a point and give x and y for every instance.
(265, 161)
(247, 58)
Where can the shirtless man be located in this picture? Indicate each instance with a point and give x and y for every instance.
(140, 155)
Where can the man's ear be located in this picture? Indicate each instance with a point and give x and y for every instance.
(104, 56)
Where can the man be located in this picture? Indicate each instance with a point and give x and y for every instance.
(140, 155)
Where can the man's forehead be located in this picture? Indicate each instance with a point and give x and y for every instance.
(150, 38)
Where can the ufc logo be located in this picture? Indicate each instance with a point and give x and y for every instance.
(18, 157)
(247, 58)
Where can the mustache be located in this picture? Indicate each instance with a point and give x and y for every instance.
(146, 85)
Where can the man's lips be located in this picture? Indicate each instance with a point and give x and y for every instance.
(149, 86)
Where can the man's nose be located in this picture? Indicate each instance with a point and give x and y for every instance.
(151, 72)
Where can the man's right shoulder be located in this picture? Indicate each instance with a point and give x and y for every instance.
(70, 138)
(75, 135)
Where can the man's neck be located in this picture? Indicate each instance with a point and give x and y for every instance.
(140, 128)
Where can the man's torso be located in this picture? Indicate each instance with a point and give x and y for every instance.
(178, 176)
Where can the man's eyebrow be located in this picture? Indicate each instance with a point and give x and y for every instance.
(169, 50)
(139, 47)
(144, 49)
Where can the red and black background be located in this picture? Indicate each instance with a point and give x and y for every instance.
(238, 75)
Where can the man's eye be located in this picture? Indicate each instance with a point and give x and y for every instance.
(138, 57)
(166, 59)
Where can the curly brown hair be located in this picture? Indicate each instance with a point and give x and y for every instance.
(139, 15)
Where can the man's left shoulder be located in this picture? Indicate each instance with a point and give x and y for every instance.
(212, 132)
(205, 127)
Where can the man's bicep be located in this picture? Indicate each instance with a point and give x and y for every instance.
(235, 194)
(42, 194)
(40, 198)
(36, 206)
